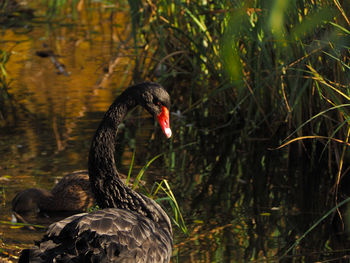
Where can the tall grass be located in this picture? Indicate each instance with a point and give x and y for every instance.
(247, 77)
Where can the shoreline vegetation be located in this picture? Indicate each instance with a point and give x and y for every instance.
(262, 89)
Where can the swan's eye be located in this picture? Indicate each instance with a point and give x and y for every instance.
(157, 102)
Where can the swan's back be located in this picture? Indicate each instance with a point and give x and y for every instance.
(72, 193)
(108, 235)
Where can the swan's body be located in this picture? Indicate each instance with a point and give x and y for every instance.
(71, 194)
(131, 227)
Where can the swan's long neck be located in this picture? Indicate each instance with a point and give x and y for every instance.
(104, 178)
(106, 185)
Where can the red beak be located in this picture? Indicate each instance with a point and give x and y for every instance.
(163, 119)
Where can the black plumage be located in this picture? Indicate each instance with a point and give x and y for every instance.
(131, 227)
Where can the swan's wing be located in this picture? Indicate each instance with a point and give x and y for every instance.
(56, 228)
(109, 235)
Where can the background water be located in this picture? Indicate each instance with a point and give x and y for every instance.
(58, 110)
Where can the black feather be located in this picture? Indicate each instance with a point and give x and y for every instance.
(131, 227)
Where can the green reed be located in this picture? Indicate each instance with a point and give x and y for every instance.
(157, 190)
(246, 78)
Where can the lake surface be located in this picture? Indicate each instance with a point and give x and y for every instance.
(59, 101)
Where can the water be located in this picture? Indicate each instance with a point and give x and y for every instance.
(64, 98)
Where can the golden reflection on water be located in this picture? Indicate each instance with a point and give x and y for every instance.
(66, 109)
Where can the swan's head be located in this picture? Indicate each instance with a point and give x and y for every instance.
(156, 100)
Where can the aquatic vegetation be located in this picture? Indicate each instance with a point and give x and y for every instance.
(249, 77)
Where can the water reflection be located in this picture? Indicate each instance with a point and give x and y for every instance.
(57, 113)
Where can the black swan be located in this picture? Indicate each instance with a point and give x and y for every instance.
(131, 227)
(71, 194)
